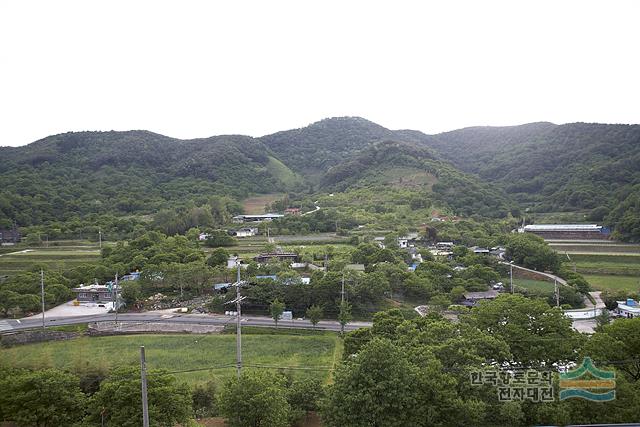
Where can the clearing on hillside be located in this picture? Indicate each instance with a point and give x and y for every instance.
(255, 205)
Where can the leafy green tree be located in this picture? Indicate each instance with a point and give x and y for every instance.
(314, 314)
(219, 256)
(536, 333)
(304, 395)
(276, 308)
(387, 386)
(131, 291)
(46, 398)
(255, 399)
(344, 315)
(204, 400)
(120, 400)
(617, 344)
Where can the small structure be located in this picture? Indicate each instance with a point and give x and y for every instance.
(96, 294)
(10, 237)
(379, 241)
(567, 231)
(286, 315)
(203, 236)
(292, 211)
(498, 252)
(472, 298)
(306, 280)
(480, 251)
(298, 265)
(233, 262)
(629, 308)
(131, 276)
(221, 287)
(444, 245)
(279, 256)
(245, 232)
(256, 218)
(354, 267)
(267, 277)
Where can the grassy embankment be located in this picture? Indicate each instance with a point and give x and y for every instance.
(193, 358)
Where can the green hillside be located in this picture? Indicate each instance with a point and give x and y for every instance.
(572, 167)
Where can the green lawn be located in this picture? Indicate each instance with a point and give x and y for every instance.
(530, 284)
(614, 283)
(179, 353)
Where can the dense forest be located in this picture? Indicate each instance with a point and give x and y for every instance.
(591, 169)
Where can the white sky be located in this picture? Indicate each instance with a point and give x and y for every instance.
(199, 68)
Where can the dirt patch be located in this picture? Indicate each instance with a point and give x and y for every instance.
(255, 205)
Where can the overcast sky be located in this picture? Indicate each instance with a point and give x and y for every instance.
(199, 68)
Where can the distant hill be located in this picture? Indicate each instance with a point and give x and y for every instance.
(574, 167)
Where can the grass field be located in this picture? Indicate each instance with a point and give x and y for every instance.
(55, 257)
(186, 355)
(530, 284)
(614, 283)
(621, 265)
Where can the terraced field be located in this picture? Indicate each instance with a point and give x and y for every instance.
(56, 257)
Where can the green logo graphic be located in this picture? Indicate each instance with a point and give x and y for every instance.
(588, 382)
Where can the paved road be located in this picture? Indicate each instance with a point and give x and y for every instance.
(9, 325)
(549, 275)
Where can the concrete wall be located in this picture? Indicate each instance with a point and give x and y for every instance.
(29, 337)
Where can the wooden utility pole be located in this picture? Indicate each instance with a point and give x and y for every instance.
(238, 327)
(42, 296)
(143, 378)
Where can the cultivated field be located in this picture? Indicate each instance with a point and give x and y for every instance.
(193, 358)
(614, 283)
(55, 257)
(255, 205)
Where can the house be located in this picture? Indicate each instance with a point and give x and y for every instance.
(203, 236)
(131, 276)
(379, 241)
(629, 308)
(9, 237)
(416, 256)
(97, 294)
(444, 245)
(280, 256)
(479, 251)
(306, 280)
(498, 252)
(567, 231)
(292, 211)
(234, 261)
(472, 298)
(298, 265)
(244, 232)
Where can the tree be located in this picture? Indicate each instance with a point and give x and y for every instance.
(219, 256)
(314, 313)
(344, 316)
(276, 308)
(617, 344)
(46, 398)
(256, 399)
(204, 400)
(536, 333)
(602, 319)
(119, 399)
(386, 386)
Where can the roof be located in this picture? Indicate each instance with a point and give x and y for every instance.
(626, 306)
(263, 216)
(355, 267)
(563, 227)
(481, 295)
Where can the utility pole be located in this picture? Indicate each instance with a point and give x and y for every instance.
(42, 296)
(511, 275)
(342, 304)
(100, 237)
(238, 327)
(143, 377)
(557, 292)
(342, 290)
(115, 297)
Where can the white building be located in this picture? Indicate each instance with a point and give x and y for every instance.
(628, 308)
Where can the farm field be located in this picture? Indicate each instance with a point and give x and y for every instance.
(185, 355)
(255, 205)
(55, 257)
(614, 283)
(621, 265)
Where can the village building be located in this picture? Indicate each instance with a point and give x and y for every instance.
(567, 231)
(96, 294)
(292, 211)
(472, 298)
(256, 218)
(245, 232)
(629, 308)
(278, 256)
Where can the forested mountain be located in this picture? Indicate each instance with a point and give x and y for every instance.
(574, 167)
(590, 168)
(129, 172)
